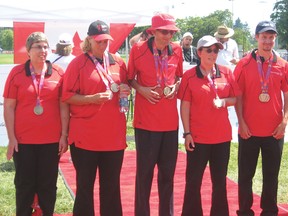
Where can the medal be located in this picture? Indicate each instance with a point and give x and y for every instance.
(167, 90)
(158, 90)
(38, 110)
(264, 97)
(217, 102)
(114, 87)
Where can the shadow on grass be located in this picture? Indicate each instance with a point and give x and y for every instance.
(7, 167)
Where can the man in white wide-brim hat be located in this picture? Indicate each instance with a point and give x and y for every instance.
(229, 55)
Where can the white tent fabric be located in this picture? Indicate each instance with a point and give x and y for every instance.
(125, 11)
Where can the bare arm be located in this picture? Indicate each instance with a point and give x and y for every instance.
(9, 117)
(98, 98)
(279, 132)
(185, 116)
(243, 128)
(65, 117)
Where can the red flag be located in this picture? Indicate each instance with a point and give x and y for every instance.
(119, 32)
(21, 31)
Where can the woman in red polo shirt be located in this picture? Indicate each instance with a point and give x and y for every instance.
(205, 93)
(37, 126)
(97, 130)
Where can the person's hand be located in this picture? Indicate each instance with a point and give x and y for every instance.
(102, 97)
(63, 145)
(189, 143)
(12, 145)
(279, 132)
(244, 130)
(124, 89)
(174, 90)
(149, 93)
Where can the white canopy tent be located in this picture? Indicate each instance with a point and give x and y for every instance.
(125, 11)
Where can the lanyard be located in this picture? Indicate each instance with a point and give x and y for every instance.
(103, 71)
(161, 64)
(37, 86)
(213, 85)
(264, 80)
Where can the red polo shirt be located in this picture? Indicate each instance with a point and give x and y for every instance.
(92, 126)
(208, 125)
(162, 116)
(29, 127)
(262, 118)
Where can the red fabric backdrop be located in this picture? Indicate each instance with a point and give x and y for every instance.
(119, 31)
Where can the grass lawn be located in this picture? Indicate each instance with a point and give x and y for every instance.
(6, 59)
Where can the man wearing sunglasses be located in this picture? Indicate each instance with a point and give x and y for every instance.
(154, 69)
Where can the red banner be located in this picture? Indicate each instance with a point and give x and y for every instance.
(21, 31)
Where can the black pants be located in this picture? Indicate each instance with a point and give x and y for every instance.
(153, 148)
(271, 151)
(218, 157)
(36, 172)
(109, 164)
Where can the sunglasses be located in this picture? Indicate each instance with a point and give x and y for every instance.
(209, 50)
(166, 32)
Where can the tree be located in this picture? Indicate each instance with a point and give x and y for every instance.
(6, 39)
(207, 25)
(280, 17)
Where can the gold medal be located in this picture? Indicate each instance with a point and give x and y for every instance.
(38, 110)
(114, 87)
(158, 90)
(264, 97)
(167, 90)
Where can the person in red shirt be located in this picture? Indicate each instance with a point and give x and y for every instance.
(205, 93)
(37, 126)
(154, 69)
(97, 130)
(262, 77)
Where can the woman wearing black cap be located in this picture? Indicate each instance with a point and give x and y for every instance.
(97, 131)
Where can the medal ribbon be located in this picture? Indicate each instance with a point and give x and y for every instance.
(213, 85)
(162, 60)
(37, 87)
(104, 72)
(264, 80)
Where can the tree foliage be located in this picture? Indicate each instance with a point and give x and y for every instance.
(280, 17)
(207, 25)
(6, 39)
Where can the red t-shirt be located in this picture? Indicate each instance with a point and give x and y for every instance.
(208, 125)
(95, 127)
(162, 116)
(29, 127)
(262, 118)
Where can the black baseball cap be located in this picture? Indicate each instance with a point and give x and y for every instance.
(265, 26)
(99, 30)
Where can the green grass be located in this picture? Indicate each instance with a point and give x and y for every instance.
(6, 59)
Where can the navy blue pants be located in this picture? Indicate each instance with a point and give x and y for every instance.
(218, 157)
(271, 151)
(161, 149)
(36, 169)
(86, 164)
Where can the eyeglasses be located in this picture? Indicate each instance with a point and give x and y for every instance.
(209, 50)
(166, 32)
(39, 47)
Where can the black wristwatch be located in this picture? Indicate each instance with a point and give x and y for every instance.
(185, 134)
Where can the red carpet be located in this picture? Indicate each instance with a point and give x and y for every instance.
(128, 184)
